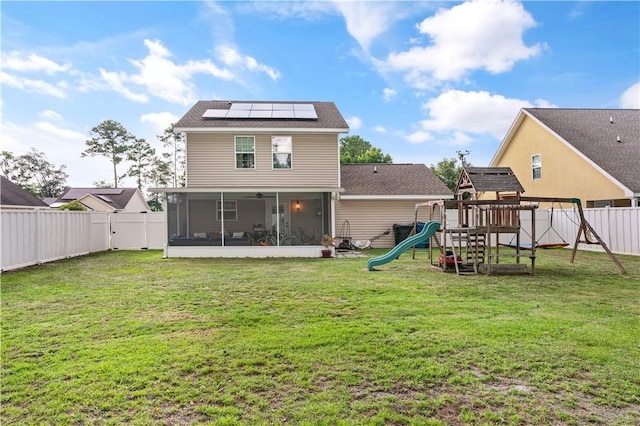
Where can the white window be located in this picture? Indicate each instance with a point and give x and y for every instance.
(245, 152)
(230, 210)
(281, 150)
(536, 167)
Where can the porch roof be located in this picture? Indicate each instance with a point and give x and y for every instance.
(247, 189)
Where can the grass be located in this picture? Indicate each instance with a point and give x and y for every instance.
(129, 337)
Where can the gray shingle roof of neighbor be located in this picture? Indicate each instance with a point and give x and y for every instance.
(118, 198)
(329, 117)
(493, 179)
(386, 179)
(13, 195)
(595, 133)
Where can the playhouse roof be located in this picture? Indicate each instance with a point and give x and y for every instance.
(488, 179)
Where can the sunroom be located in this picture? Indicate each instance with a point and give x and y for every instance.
(258, 222)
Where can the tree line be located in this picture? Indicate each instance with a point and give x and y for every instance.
(136, 158)
(129, 156)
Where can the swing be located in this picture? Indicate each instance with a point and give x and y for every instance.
(554, 245)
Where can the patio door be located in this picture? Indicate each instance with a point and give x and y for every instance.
(278, 217)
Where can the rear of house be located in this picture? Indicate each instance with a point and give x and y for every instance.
(261, 179)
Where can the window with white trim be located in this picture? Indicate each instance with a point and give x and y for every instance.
(230, 210)
(536, 167)
(281, 152)
(245, 152)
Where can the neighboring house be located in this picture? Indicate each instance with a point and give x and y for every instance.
(590, 154)
(264, 179)
(105, 199)
(12, 196)
(378, 196)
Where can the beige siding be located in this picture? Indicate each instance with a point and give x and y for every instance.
(371, 217)
(211, 161)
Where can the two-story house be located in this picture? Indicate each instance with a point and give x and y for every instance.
(263, 179)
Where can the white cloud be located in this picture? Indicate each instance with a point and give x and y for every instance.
(290, 10)
(388, 94)
(631, 97)
(50, 115)
(367, 20)
(354, 123)
(419, 136)
(116, 82)
(379, 129)
(60, 133)
(35, 86)
(159, 120)
(479, 34)
(472, 112)
(161, 77)
(459, 139)
(475, 112)
(232, 58)
(19, 61)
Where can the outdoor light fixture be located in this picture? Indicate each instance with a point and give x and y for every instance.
(297, 206)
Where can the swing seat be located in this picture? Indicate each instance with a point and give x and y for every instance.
(527, 246)
(552, 245)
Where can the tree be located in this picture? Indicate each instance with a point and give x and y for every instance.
(159, 176)
(175, 141)
(448, 172)
(74, 205)
(354, 149)
(34, 173)
(142, 156)
(111, 140)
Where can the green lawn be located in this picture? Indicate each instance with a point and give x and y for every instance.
(129, 337)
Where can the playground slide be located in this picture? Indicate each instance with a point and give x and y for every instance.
(428, 230)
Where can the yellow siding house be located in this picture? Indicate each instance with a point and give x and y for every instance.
(590, 154)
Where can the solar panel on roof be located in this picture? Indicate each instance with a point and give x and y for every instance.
(277, 107)
(240, 105)
(303, 107)
(215, 113)
(283, 114)
(262, 107)
(260, 113)
(264, 110)
(238, 113)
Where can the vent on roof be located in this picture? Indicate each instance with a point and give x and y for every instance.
(105, 198)
(264, 111)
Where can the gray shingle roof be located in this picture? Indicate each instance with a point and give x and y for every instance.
(595, 132)
(13, 195)
(383, 179)
(118, 198)
(491, 179)
(328, 117)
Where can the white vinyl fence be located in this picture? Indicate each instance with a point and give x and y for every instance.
(30, 237)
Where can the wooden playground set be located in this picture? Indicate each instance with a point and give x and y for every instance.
(475, 245)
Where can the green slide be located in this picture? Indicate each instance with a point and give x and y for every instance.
(428, 230)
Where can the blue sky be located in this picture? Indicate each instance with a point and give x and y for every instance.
(420, 80)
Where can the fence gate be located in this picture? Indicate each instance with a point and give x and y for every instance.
(137, 230)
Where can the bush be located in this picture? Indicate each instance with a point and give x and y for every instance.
(73, 205)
